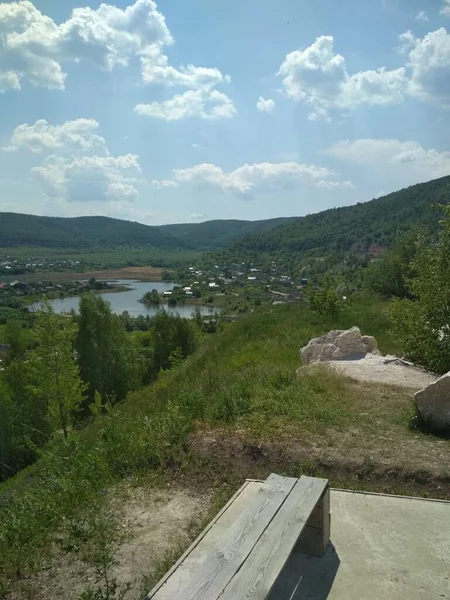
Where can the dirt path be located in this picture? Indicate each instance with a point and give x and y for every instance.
(154, 526)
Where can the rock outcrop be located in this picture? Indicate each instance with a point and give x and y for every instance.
(339, 345)
(433, 404)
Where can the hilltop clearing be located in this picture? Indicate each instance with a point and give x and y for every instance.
(234, 409)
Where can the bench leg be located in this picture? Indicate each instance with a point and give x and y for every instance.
(316, 535)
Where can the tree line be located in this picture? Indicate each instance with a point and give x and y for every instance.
(77, 365)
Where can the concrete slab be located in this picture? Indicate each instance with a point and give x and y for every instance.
(383, 547)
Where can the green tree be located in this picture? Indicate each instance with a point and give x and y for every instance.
(15, 340)
(390, 275)
(25, 414)
(151, 298)
(7, 441)
(56, 375)
(172, 339)
(423, 323)
(325, 300)
(105, 353)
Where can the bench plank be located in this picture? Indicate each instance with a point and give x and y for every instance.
(222, 564)
(261, 569)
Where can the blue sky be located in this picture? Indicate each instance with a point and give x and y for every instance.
(190, 110)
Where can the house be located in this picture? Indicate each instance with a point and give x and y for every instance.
(167, 293)
(213, 286)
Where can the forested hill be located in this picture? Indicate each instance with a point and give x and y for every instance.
(216, 234)
(356, 227)
(339, 229)
(103, 232)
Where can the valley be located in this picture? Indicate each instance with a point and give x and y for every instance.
(121, 402)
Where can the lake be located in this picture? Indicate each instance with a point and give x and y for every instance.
(129, 301)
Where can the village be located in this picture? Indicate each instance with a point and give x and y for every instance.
(234, 289)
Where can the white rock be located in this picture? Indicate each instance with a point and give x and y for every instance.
(339, 345)
(370, 343)
(433, 403)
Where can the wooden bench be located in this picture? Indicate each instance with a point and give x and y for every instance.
(285, 515)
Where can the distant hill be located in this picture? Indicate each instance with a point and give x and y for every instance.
(352, 228)
(103, 232)
(216, 234)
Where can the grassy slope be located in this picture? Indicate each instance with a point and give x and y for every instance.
(234, 409)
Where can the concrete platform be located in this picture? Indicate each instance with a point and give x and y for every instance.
(382, 547)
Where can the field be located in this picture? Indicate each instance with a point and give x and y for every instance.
(147, 273)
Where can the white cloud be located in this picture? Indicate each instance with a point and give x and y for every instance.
(72, 137)
(422, 16)
(33, 46)
(318, 76)
(197, 217)
(89, 178)
(163, 183)
(405, 162)
(190, 76)
(248, 180)
(332, 185)
(9, 80)
(429, 61)
(265, 105)
(197, 146)
(445, 9)
(203, 103)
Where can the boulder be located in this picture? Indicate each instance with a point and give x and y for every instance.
(433, 404)
(339, 345)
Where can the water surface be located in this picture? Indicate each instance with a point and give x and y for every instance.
(129, 301)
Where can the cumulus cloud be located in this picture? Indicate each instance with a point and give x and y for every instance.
(89, 178)
(161, 184)
(332, 185)
(204, 103)
(407, 161)
(71, 137)
(157, 70)
(265, 105)
(248, 180)
(445, 8)
(429, 61)
(422, 16)
(33, 46)
(318, 76)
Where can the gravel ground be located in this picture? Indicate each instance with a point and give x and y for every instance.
(384, 369)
